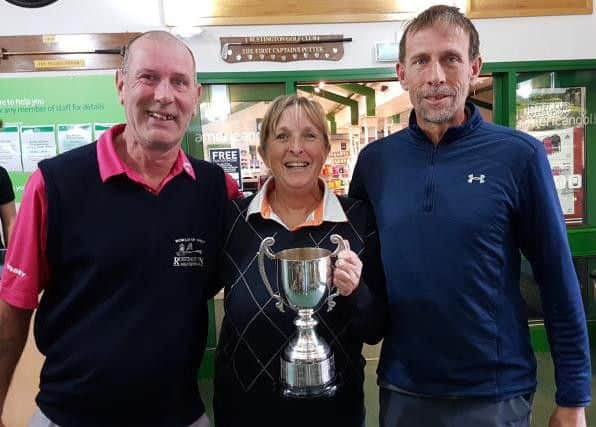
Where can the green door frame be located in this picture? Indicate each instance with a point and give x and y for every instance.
(581, 239)
(367, 92)
(293, 78)
(348, 102)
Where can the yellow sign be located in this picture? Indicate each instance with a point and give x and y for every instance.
(58, 63)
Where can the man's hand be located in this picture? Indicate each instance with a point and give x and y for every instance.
(568, 417)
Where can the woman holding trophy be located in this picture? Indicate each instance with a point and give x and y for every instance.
(304, 287)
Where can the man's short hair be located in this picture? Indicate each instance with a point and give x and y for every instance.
(155, 35)
(446, 15)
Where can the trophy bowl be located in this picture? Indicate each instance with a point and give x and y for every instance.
(305, 275)
(305, 283)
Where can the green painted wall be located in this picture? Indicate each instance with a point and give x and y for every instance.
(57, 100)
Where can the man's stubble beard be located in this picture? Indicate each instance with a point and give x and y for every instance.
(445, 114)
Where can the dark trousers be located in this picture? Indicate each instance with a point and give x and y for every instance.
(404, 410)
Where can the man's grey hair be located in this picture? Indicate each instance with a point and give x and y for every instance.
(154, 35)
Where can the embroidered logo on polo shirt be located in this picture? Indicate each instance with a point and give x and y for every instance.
(189, 252)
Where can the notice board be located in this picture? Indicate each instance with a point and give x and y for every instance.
(44, 116)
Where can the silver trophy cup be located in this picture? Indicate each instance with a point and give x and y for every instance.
(305, 284)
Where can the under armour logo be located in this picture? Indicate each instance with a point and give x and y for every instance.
(479, 179)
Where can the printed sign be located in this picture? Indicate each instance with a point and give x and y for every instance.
(37, 143)
(10, 148)
(229, 160)
(73, 136)
(557, 118)
(283, 48)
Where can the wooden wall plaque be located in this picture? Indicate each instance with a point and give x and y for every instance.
(513, 8)
(248, 12)
(50, 52)
(283, 48)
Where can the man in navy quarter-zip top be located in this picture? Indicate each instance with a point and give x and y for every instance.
(458, 201)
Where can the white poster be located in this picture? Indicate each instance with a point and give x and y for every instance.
(37, 143)
(10, 149)
(558, 144)
(557, 118)
(100, 128)
(73, 136)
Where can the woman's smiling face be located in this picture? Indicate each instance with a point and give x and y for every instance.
(295, 152)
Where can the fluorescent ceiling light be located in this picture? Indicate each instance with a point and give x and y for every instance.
(186, 32)
(219, 107)
(525, 89)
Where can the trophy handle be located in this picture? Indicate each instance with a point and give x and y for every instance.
(333, 292)
(264, 250)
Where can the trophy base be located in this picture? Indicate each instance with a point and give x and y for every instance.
(309, 393)
(308, 379)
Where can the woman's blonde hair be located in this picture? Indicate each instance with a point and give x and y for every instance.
(314, 111)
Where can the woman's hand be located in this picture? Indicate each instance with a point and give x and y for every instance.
(348, 267)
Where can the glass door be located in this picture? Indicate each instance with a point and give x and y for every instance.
(358, 113)
(559, 109)
(229, 122)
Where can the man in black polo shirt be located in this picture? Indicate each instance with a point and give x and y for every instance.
(121, 235)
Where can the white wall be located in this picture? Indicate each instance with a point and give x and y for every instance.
(508, 39)
(81, 16)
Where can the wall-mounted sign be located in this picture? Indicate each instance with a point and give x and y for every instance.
(387, 51)
(58, 63)
(283, 48)
(557, 117)
(35, 110)
(229, 160)
(62, 52)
